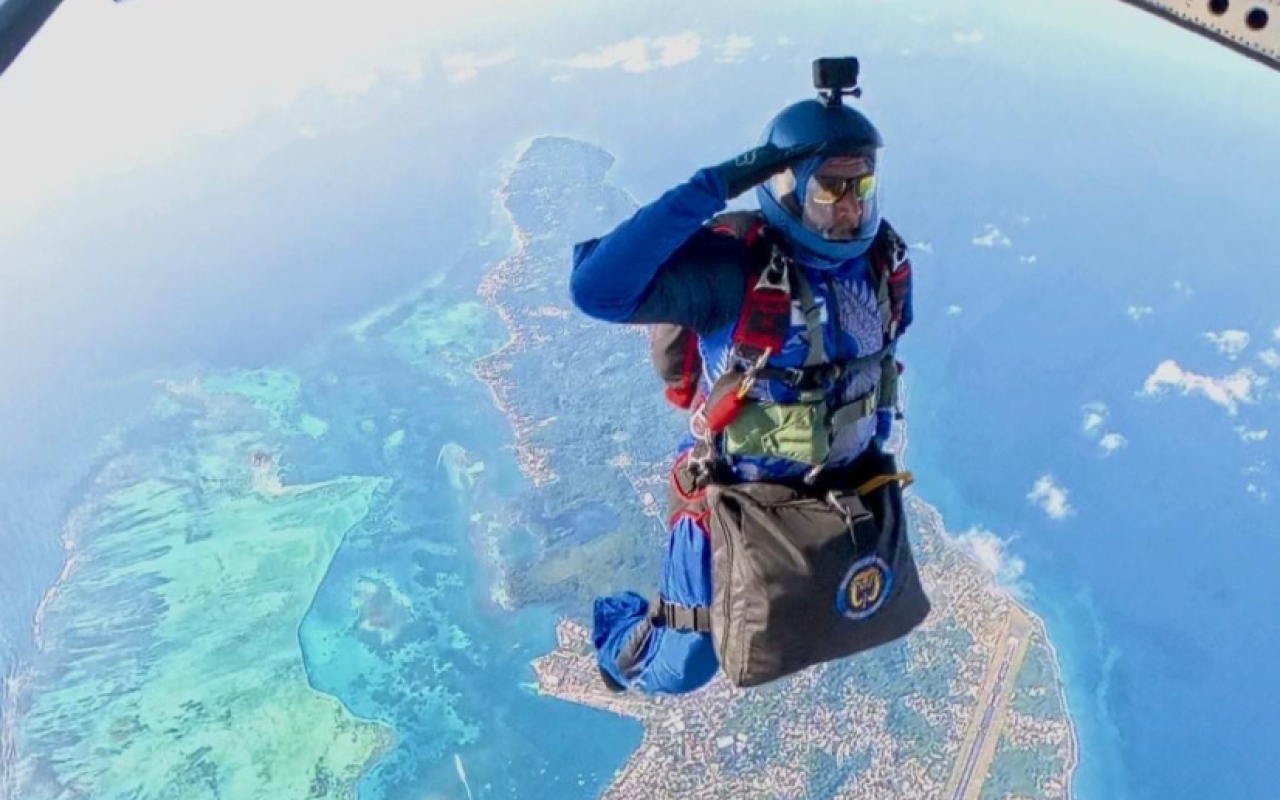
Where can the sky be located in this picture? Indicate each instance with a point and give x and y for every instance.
(106, 87)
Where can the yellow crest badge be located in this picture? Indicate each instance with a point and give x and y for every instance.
(864, 588)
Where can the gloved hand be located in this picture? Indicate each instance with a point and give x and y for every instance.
(760, 164)
(884, 426)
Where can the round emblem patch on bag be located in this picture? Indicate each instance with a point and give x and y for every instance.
(864, 588)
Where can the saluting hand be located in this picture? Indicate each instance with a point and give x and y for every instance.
(760, 164)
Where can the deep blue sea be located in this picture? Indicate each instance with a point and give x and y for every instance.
(1134, 220)
(1128, 167)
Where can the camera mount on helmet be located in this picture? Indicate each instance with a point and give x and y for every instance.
(838, 130)
(834, 78)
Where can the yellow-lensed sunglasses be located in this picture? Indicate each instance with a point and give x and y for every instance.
(827, 190)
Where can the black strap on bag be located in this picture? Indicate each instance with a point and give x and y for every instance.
(664, 613)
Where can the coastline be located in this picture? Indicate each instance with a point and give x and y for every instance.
(390, 737)
(901, 433)
(9, 691)
(1073, 751)
(17, 681)
(70, 550)
(533, 462)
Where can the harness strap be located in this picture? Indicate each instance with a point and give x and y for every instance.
(889, 374)
(892, 271)
(686, 496)
(883, 304)
(806, 378)
(863, 406)
(766, 312)
(817, 354)
(761, 331)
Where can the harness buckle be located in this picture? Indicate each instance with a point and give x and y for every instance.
(811, 476)
(752, 373)
(774, 276)
(701, 468)
(698, 422)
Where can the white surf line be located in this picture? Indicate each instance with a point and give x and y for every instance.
(462, 774)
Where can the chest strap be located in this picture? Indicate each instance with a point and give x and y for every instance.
(809, 378)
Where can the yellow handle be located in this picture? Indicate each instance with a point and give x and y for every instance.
(905, 478)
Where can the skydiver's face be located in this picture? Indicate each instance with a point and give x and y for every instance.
(834, 197)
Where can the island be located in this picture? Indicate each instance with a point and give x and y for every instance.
(969, 706)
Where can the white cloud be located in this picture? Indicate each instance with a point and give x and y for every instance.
(1095, 415)
(1270, 358)
(992, 554)
(954, 311)
(466, 66)
(1257, 491)
(635, 56)
(992, 238)
(1229, 391)
(631, 55)
(923, 247)
(1275, 334)
(968, 37)
(1179, 286)
(1028, 259)
(1051, 498)
(734, 48)
(679, 49)
(1112, 442)
(786, 41)
(1247, 435)
(1138, 312)
(1230, 343)
(1093, 425)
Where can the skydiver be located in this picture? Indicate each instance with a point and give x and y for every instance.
(806, 404)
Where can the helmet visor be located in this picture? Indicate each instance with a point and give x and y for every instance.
(838, 200)
(827, 190)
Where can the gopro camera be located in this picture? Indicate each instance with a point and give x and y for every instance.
(836, 77)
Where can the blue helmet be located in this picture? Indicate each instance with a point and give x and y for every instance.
(791, 200)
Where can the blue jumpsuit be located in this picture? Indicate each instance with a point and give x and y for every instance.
(665, 265)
